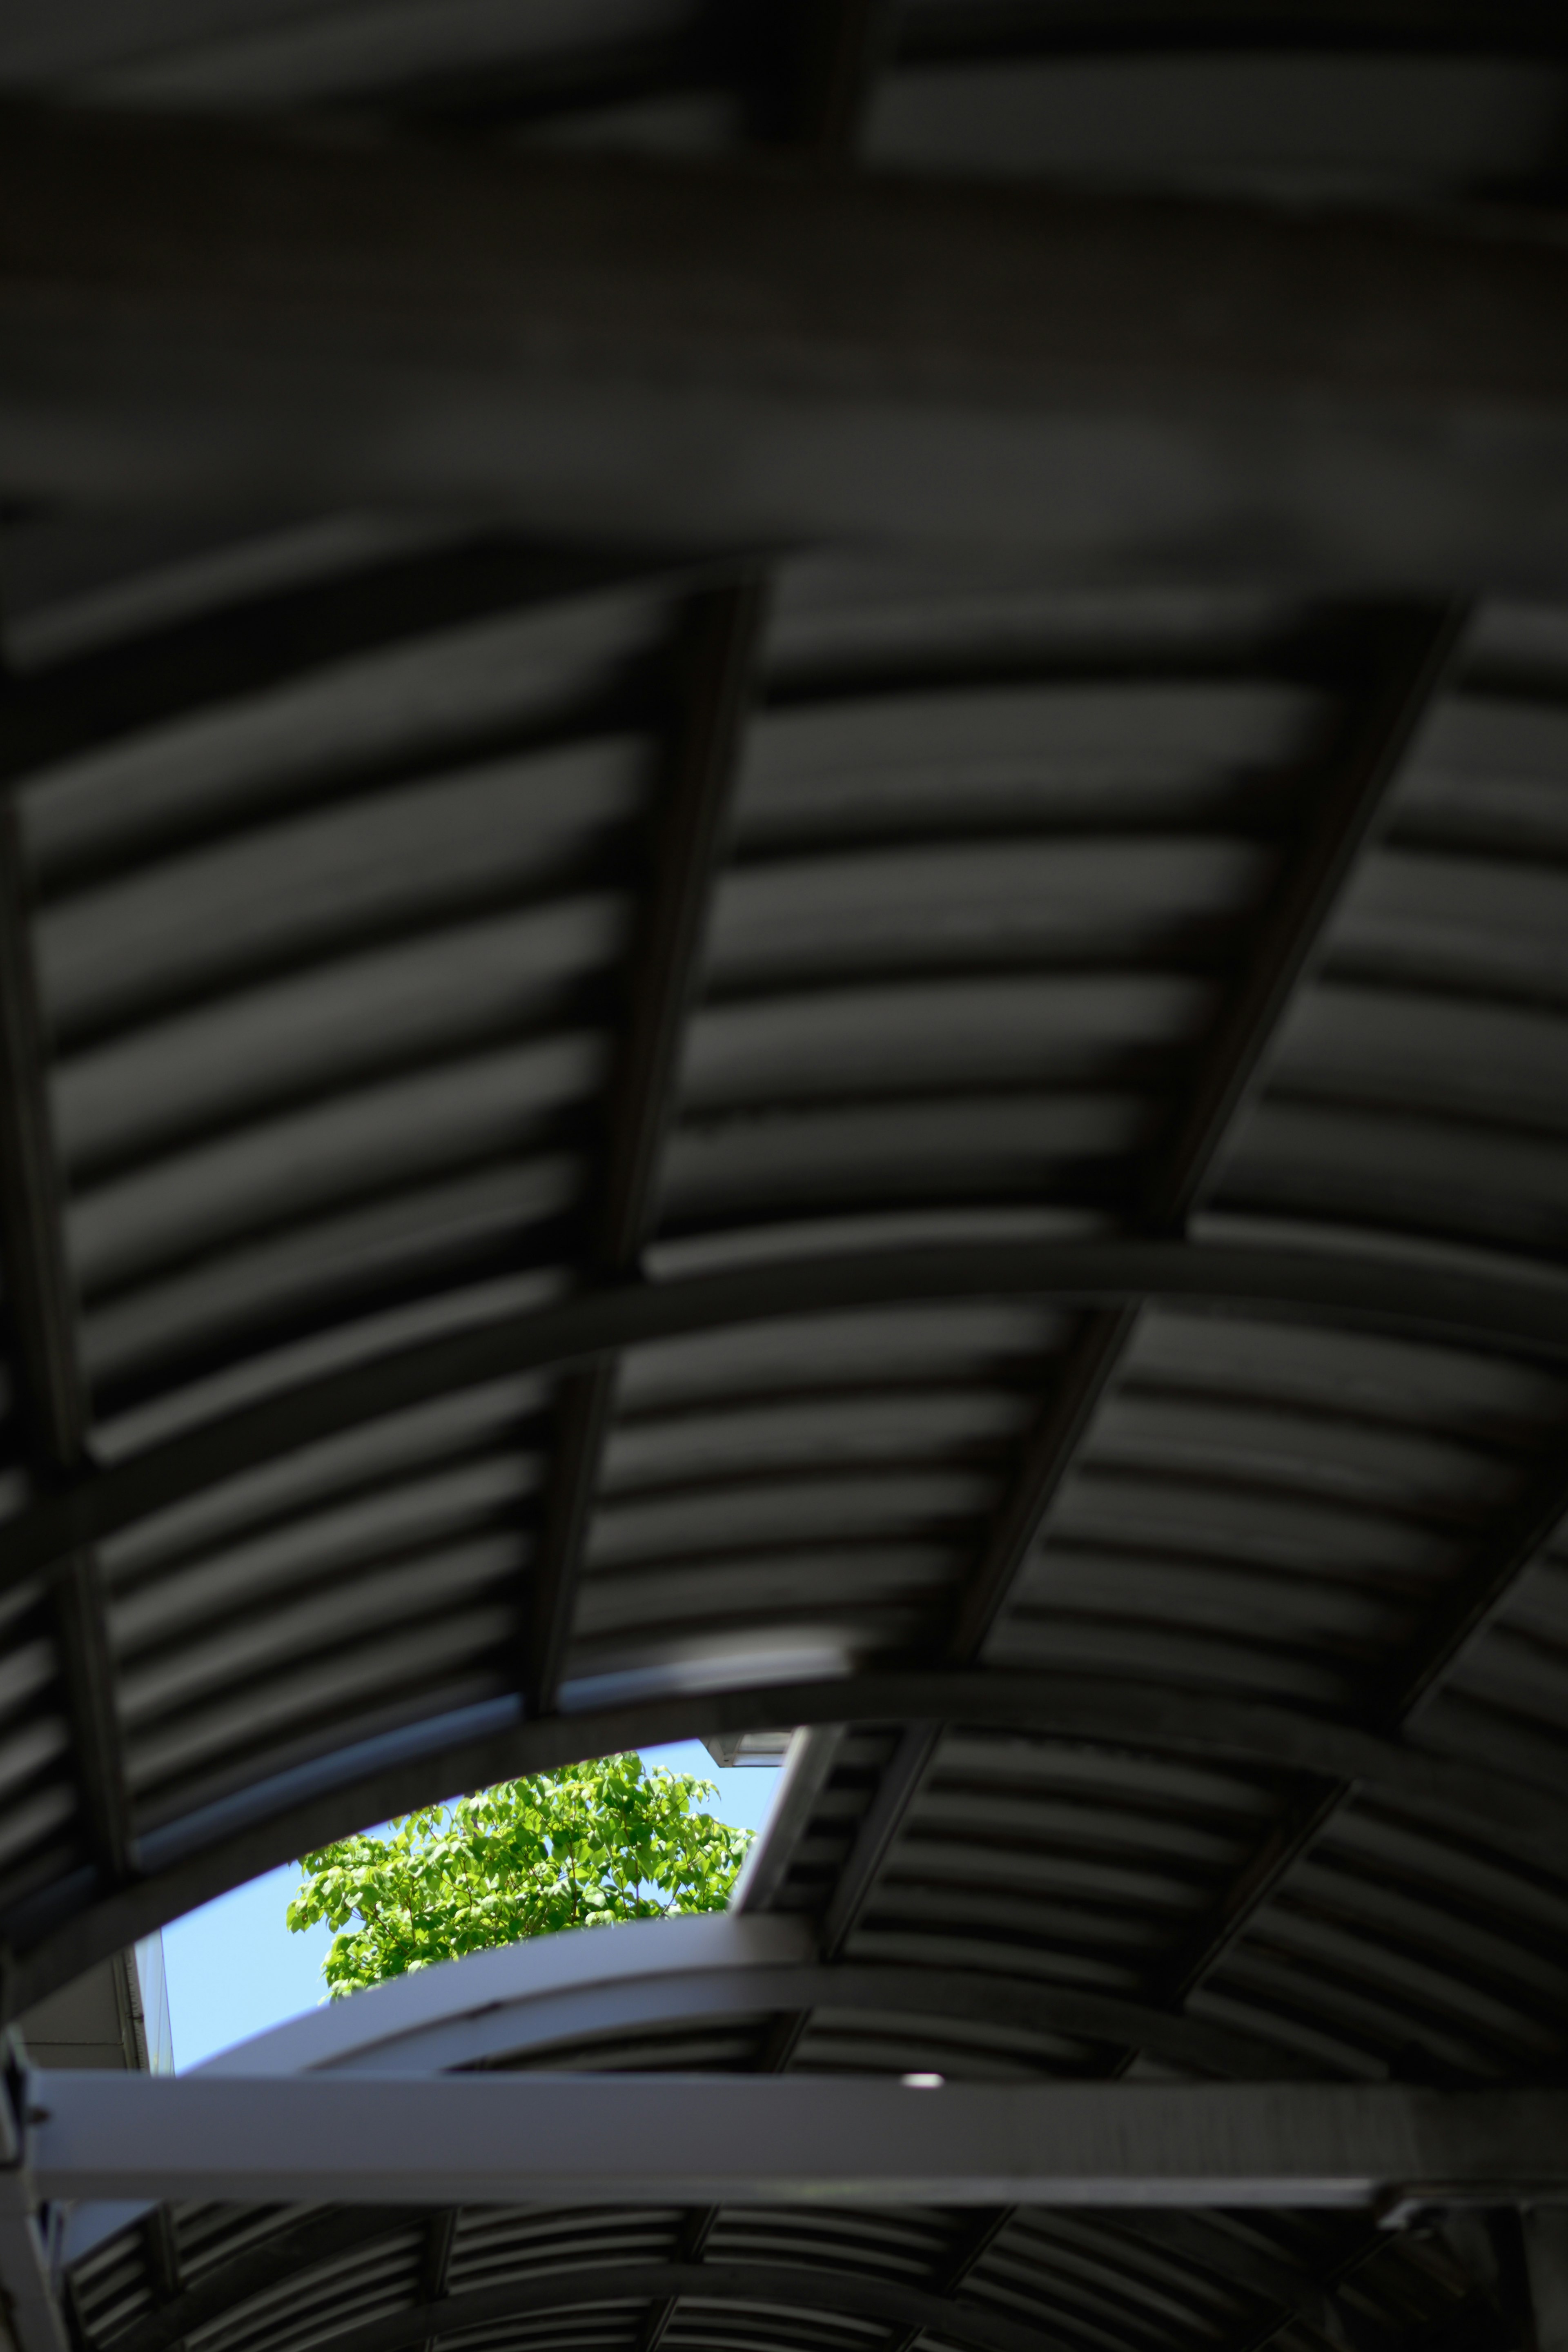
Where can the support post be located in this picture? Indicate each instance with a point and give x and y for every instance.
(31, 2306)
(1546, 2262)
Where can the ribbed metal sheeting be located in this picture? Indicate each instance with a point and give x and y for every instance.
(1073, 2279)
(1262, 1505)
(327, 977)
(331, 982)
(329, 1036)
(1390, 1948)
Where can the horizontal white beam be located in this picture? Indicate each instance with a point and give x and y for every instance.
(747, 354)
(553, 2140)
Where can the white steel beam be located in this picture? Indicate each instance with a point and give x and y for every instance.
(555, 2141)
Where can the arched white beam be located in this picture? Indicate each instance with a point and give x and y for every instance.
(267, 1827)
(569, 1988)
(1499, 1313)
(462, 2011)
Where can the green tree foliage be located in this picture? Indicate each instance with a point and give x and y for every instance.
(577, 1848)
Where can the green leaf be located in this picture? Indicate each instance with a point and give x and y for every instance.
(588, 1845)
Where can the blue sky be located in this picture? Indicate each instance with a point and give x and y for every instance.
(234, 1968)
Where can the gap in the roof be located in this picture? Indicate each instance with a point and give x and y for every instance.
(235, 1969)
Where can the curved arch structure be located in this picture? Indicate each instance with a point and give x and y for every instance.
(782, 907)
(558, 1998)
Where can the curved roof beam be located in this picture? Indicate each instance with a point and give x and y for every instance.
(222, 2293)
(779, 2286)
(494, 2006)
(1502, 1313)
(264, 1828)
(940, 1997)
